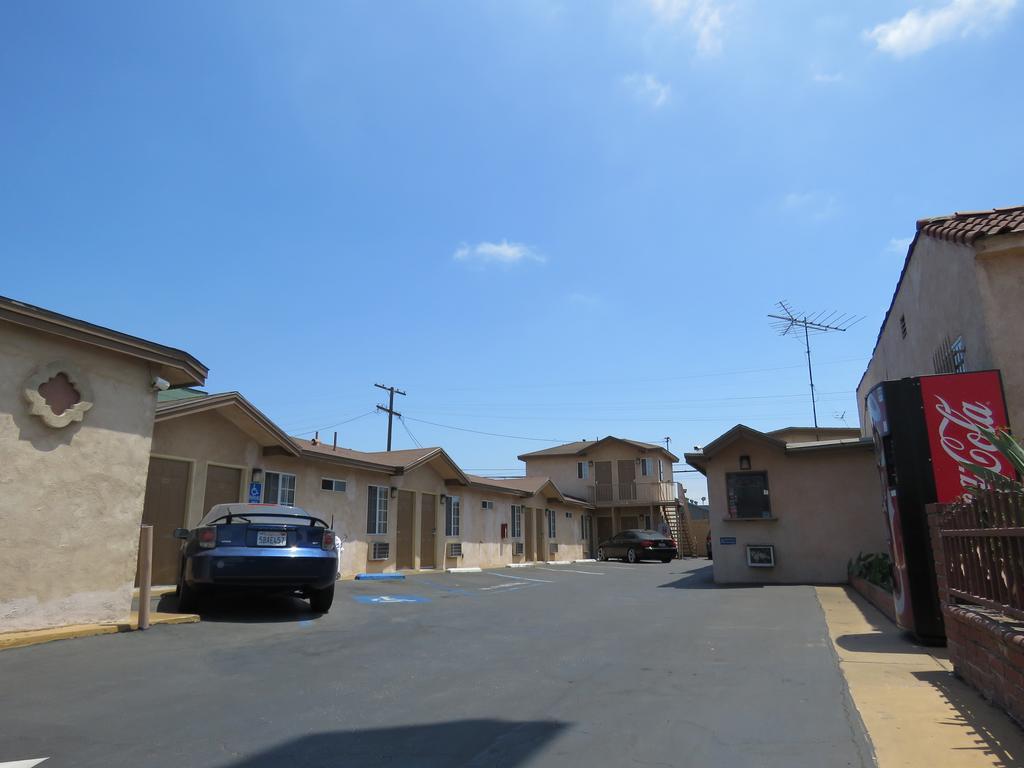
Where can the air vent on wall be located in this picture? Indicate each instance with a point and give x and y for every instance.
(381, 550)
(454, 549)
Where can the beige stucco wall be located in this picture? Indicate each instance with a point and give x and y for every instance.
(72, 497)
(940, 296)
(827, 510)
(1001, 285)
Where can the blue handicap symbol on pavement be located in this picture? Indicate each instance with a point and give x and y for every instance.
(379, 599)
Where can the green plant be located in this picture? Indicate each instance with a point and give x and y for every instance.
(1011, 450)
(873, 567)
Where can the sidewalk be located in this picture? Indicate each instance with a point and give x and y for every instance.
(917, 713)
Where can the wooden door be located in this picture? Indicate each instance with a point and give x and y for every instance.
(604, 529)
(542, 535)
(627, 480)
(165, 508)
(404, 530)
(530, 534)
(223, 486)
(428, 530)
(603, 480)
(629, 522)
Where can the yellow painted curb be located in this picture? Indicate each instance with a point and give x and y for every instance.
(39, 636)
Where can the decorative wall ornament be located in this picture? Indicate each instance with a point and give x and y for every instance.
(58, 393)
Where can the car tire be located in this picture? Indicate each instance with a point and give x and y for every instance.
(631, 556)
(666, 560)
(601, 555)
(320, 600)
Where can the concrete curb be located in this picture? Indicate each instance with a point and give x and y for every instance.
(380, 576)
(463, 570)
(586, 560)
(519, 565)
(559, 562)
(72, 631)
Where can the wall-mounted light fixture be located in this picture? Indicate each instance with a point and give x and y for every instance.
(257, 475)
(444, 497)
(744, 462)
(394, 491)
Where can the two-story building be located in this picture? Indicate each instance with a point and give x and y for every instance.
(957, 306)
(628, 483)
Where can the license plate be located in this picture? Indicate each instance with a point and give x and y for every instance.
(271, 538)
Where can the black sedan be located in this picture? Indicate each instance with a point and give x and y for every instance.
(636, 545)
(265, 547)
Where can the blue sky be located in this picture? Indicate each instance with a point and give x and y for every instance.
(541, 219)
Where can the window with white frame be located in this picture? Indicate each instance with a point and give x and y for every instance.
(487, 505)
(517, 521)
(279, 488)
(646, 467)
(582, 470)
(452, 513)
(330, 484)
(552, 518)
(377, 510)
(661, 471)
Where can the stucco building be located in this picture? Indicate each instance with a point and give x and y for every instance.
(627, 483)
(76, 422)
(957, 306)
(787, 508)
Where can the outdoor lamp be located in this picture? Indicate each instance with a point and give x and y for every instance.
(394, 491)
(744, 462)
(257, 475)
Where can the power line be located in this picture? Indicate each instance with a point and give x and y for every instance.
(489, 434)
(409, 433)
(336, 424)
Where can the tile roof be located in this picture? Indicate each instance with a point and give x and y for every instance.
(969, 226)
(531, 484)
(383, 459)
(571, 449)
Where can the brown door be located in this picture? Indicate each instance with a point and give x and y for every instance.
(428, 529)
(628, 522)
(164, 508)
(404, 530)
(530, 534)
(604, 529)
(223, 485)
(627, 480)
(603, 480)
(542, 535)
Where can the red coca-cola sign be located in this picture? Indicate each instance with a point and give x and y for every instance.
(954, 407)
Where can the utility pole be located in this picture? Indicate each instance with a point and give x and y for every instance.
(789, 321)
(667, 441)
(390, 409)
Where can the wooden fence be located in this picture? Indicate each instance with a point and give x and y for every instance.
(982, 544)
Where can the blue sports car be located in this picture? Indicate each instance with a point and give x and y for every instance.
(266, 547)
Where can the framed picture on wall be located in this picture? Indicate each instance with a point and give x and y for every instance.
(760, 555)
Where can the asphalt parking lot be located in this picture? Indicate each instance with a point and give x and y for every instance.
(592, 664)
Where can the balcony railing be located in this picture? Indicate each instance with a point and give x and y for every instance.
(631, 493)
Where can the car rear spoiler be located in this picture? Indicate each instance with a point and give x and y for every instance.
(246, 515)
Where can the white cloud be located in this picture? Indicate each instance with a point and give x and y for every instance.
(918, 30)
(703, 17)
(814, 205)
(496, 253)
(826, 78)
(648, 88)
(899, 245)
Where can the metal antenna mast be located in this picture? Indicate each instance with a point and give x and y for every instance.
(390, 410)
(790, 322)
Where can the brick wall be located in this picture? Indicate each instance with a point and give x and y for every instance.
(985, 646)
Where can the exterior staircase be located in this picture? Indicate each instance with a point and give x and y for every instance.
(679, 528)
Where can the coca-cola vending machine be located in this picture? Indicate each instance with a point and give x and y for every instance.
(925, 429)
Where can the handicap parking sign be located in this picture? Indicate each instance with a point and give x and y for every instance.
(255, 493)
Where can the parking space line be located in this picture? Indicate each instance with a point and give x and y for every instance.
(502, 586)
(521, 578)
(571, 570)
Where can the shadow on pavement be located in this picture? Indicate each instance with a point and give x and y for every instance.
(885, 636)
(996, 736)
(245, 608)
(438, 745)
(699, 578)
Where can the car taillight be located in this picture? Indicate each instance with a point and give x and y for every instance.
(671, 542)
(646, 544)
(207, 537)
(328, 542)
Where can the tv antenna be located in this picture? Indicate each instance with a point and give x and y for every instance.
(791, 322)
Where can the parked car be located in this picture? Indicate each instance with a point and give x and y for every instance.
(263, 547)
(636, 545)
